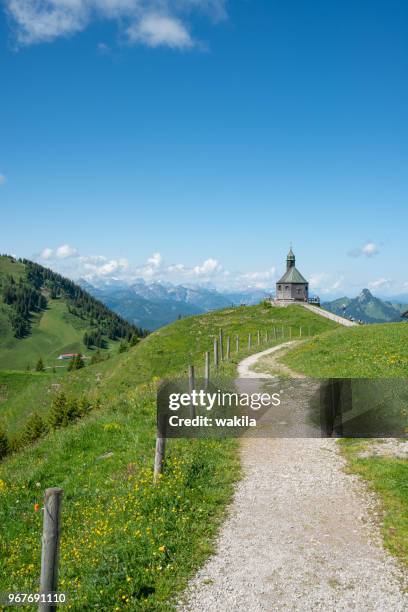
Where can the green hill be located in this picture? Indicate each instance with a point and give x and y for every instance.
(43, 314)
(135, 543)
(368, 351)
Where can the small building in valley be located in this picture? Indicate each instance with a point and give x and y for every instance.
(292, 287)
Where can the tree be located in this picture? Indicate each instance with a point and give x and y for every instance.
(123, 347)
(57, 412)
(40, 365)
(76, 363)
(33, 429)
(97, 357)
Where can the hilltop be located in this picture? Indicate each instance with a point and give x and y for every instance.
(43, 314)
(367, 308)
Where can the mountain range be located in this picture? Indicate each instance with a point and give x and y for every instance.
(367, 308)
(152, 305)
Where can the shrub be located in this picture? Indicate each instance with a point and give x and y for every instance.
(65, 410)
(34, 428)
(58, 408)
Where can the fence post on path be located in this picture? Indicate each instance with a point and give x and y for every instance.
(228, 347)
(237, 343)
(207, 368)
(259, 337)
(290, 332)
(215, 353)
(50, 546)
(249, 341)
(221, 345)
(300, 331)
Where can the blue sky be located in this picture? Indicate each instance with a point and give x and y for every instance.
(213, 133)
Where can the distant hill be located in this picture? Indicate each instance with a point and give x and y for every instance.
(43, 314)
(152, 305)
(367, 308)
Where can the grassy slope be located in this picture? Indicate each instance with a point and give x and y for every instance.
(168, 350)
(115, 522)
(53, 331)
(370, 351)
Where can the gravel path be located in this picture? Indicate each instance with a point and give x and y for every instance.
(301, 534)
(245, 366)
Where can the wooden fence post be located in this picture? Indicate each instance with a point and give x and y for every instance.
(237, 343)
(283, 332)
(290, 332)
(228, 347)
(300, 331)
(259, 337)
(215, 353)
(274, 333)
(221, 345)
(50, 545)
(191, 386)
(207, 368)
(249, 340)
(160, 446)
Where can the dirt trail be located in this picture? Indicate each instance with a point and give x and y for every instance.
(300, 535)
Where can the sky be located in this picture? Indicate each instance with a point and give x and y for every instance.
(195, 140)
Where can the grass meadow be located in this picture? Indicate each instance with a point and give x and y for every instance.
(126, 544)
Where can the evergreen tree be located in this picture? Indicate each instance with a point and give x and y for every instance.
(123, 347)
(76, 363)
(40, 365)
(33, 429)
(57, 412)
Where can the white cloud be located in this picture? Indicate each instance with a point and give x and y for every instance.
(380, 283)
(65, 251)
(156, 30)
(2, 179)
(155, 260)
(324, 284)
(367, 250)
(46, 253)
(67, 260)
(150, 22)
(208, 268)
